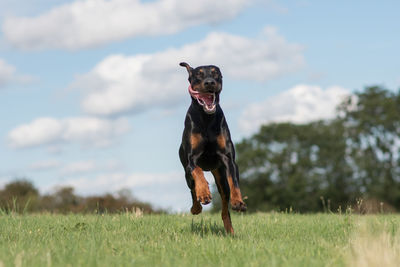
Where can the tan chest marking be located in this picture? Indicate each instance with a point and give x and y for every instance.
(195, 140)
(221, 140)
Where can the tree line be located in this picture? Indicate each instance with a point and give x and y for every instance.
(352, 161)
(21, 196)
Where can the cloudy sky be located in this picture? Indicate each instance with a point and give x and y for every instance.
(91, 94)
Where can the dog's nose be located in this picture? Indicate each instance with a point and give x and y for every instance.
(209, 82)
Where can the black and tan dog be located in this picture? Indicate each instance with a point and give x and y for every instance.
(207, 145)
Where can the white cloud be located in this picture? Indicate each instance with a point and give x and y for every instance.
(112, 165)
(300, 104)
(120, 84)
(25, 8)
(7, 73)
(112, 182)
(79, 167)
(87, 131)
(90, 166)
(45, 165)
(88, 23)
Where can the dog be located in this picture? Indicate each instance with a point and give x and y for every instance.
(207, 145)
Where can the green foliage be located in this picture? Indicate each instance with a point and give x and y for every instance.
(290, 166)
(21, 196)
(372, 121)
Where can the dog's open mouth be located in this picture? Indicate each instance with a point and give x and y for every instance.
(207, 101)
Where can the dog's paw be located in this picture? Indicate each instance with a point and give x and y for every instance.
(205, 199)
(196, 208)
(203, 195)
(238, 205)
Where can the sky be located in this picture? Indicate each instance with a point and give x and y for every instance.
(92, 94)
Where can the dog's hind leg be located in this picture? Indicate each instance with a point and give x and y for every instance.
(224, 191)
(232, 178)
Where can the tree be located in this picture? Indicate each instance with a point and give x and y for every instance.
(372, 120)
(355, 155)
(291, 166)
(19, 196)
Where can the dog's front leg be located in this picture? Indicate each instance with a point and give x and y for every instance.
(201, 186)
(201, 190)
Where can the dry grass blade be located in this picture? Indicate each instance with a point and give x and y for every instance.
(371, 248)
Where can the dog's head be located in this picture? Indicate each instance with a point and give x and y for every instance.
(205, 85)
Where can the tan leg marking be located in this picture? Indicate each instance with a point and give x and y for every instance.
(201, 186)
(226, 218)
(236, 196)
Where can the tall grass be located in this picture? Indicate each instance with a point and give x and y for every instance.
(375, 243)
(132, 238)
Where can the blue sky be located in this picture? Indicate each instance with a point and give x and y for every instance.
(91, 94)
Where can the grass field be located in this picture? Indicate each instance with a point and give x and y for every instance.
(272, 239)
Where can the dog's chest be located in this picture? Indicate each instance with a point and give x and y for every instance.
(209, 159)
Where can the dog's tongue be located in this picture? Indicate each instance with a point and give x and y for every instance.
(192, 92)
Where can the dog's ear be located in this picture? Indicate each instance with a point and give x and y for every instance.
(188, 68)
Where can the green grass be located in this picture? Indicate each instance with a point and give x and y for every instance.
(184, 240)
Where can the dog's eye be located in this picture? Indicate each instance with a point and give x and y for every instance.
(200, 74)
(215, 74)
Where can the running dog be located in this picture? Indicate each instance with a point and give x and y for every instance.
(207, 145)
